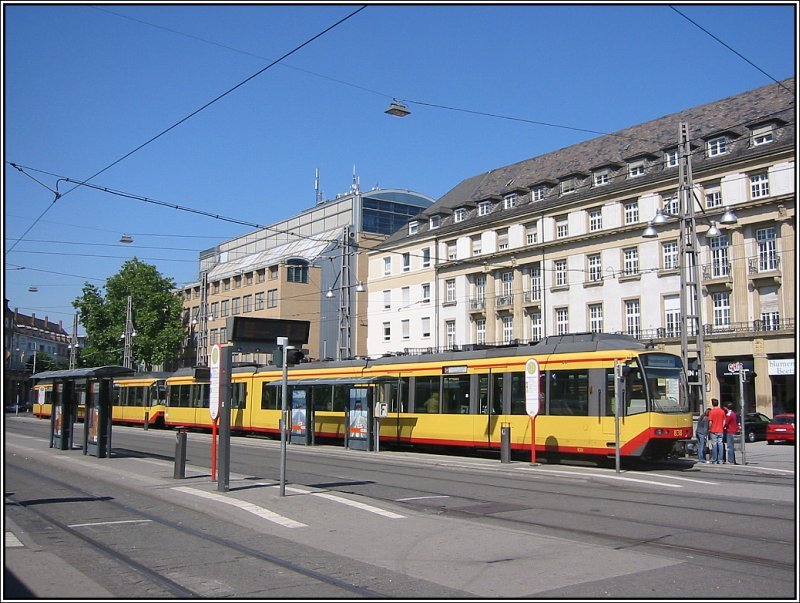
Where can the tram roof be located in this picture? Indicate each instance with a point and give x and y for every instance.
(96, 372)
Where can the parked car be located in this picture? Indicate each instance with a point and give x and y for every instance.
(781, 429)
(755, 426)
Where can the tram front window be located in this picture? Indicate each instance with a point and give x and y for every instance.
(663, 376)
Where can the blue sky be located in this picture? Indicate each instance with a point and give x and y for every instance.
(86, 85)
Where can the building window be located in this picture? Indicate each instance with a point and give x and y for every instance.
(717, 146)
(450, 286)
(405, 329)
(570, 185)
(671, 158)
(562, 227)
(237, 282)
(273, 272)
(767, 249)
(502, 240)
(460, 214)
(387, 331)
(248, 279)
(477, 245)
(450, 329)
(602, 177)
(759, 186)
(413, 227)
(224, 304)
(426, 257)
(434, 222)
(630, 264)
(561, 272)
(636, 169)
(535, 282)
(672, 315)
(387, 299)
(406, 262)
(272, 298)
(507, 283)
(223, 334)
(452, 251)
(596, 318)
(387, 266)
(631, 211)
(669, 255)
(632, 317)
(510, 201)
(226, 284)
(261, 275)
(761, 135)
(562, 321)
(532, 234)
(214, 313)
(247, 304)
(722, 309)
(426, 326)
(536, 325)
(480, 331)
(595, 268)
(595, 220)
(484, 207)
(720, 266)
(713, 197)
(405, 297)
(508, 329)
(236, 306)
(671, 204)
(538, 193)
(297, 271)
(426, 293)
(480, 288)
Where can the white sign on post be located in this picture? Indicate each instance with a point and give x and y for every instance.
(214, 393)
(532, 387)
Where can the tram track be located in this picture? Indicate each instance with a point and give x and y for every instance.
(160, 579)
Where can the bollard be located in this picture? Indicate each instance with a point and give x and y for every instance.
(180, 453)
(505, 443)
(146, 421)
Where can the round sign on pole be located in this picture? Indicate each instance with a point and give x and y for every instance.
(532, 387)
(214, 393)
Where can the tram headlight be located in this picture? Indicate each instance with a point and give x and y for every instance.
(659, 432)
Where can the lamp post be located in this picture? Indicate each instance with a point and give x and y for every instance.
(692, 344)
(128, 335)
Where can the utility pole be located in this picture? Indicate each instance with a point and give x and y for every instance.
(73, 348)
(127, 360)
(692, 345)
(202, 322)
(345, 285)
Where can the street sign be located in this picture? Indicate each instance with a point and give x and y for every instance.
(214, 390)
(532, 387)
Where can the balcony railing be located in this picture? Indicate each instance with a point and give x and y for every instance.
(716, 270)
(533, 296)
(761, 264)
(477, 305)
(503, 302)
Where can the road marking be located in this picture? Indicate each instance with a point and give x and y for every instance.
(108, 523)
(601, 476)
(350, 503)
(419, 498)
(245, 506)
(12, 540)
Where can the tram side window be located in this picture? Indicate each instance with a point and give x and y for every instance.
(341, 397)
(200, 396)
(426, 395)
(136, 396)
(322, 397)
(238, 395)
(397, 394)
(569, 393)
(180, 396)
(270, 397)
(518, 394)
(456, 395)
(635, 393)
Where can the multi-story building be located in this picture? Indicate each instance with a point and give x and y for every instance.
(311, 267)
(554, 245)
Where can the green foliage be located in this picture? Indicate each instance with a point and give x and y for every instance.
(156, 311)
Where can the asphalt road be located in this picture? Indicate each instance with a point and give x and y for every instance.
(391, 524)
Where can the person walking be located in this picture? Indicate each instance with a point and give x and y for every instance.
(702, 436)
(716, 426)
(731, 428)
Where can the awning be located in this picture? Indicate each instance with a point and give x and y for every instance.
(97, 372)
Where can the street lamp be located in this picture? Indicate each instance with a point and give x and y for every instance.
(688, 254)
(397, 109)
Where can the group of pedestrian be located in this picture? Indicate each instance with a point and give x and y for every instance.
(717, 427)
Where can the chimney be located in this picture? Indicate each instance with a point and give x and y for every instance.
(46, 324)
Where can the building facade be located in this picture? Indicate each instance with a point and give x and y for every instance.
(555, 245)
(309, 267)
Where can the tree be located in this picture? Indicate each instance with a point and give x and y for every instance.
(156, 314)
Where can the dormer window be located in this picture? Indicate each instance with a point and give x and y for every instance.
(570, 185)
(602, 177)
(717, 146)
(459, 214)
(761, 135)
(636, 168)
(671, 158)
(484, 207)
(510, 201)
(538, 193)
(413, 227)
(434, 222)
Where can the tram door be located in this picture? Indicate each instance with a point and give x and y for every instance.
(359, 419)
(302, 421)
